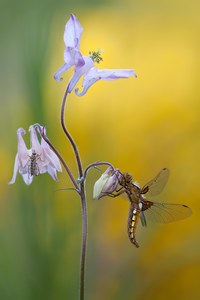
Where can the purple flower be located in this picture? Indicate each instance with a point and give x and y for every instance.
(107, 183)
(84, 65)
(37, 160)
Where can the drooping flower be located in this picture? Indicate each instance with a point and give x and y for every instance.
(84, 65)
(37, 160)
(107, 183)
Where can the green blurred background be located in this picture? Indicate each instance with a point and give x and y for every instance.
(140, 125)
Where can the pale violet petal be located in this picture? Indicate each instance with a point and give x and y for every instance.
(21, 131)
(73, 57)
(35, 145)
(22, 149)
(86, 87)
(61, 70)
(72, 32)
(79, 60)
(27, 178)
(52, 172)
(51, 156)
(107, 74)
(115, 74)
(43, 168)
(54, 161)
(15, 171)
(80, 72)
(94, 74)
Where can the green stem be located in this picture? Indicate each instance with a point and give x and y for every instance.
(82, 195)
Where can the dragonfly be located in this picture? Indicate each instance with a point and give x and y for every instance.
(141, 208)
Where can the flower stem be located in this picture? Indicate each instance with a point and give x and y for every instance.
(84, 242)
(72, 142)
(95, 164)
(82, 195)
(42, 132)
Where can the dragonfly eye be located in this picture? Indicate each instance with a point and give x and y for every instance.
(129, 177)
(125, 179)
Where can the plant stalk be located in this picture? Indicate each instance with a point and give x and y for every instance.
(82, 195)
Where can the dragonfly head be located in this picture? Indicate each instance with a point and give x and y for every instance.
(125, 179)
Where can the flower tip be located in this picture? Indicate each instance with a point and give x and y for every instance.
(133, 74)
(77, 92)
(57, 78)
(31, 127)
(21, 131)
(72, 16)
(95, 197)
(81, 93)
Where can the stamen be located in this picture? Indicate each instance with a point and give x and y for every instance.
(96, 56)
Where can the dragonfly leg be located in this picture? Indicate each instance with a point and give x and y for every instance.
(113, 195)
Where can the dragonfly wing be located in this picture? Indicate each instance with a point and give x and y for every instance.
(167, 212)
(156, 185)
(143, 219)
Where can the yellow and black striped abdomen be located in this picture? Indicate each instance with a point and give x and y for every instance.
(134, 214)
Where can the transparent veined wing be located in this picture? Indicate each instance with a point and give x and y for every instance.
(143, 219)
(166, 212)
(156, 185)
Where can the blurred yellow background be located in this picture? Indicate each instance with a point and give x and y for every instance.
(139, 125)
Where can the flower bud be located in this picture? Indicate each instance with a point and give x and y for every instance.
(107, 183)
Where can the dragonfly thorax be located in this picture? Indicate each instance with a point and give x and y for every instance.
(125, 179)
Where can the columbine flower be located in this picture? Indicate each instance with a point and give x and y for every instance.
(84, 65)
(107, 183)
(37, 160)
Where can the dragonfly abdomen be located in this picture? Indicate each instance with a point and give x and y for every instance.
(133, 218)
